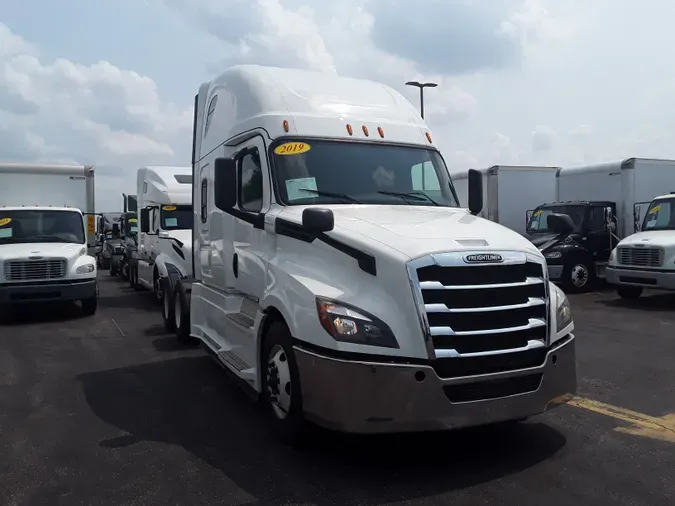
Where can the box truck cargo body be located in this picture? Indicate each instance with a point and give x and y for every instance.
(510, 191)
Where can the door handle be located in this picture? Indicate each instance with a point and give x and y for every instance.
(235, 265)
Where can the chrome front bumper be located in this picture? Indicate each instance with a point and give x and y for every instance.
(659, 280)
(364, 397)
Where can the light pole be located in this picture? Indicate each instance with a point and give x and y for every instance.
(421, 86)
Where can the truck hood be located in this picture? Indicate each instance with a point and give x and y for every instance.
(184, 236)
(39, 249)
(416, 231)
(542, 241)
(658, 238)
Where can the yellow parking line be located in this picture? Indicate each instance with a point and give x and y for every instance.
(662, 428)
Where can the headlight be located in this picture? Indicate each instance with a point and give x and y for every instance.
(85, 269)
(553, 254)
(563, 313)
(352, 325)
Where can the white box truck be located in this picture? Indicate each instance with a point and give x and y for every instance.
(599, 204)
(509, 191)
(165, 242)
(646, 259)
(47, 234)
(339, 288)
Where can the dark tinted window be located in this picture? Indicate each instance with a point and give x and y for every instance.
(596, 218)
(176, 217)
(316, 172)
(41, 226)
(250, 182)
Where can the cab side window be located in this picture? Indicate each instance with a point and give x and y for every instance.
(250, 182)
(596, 219)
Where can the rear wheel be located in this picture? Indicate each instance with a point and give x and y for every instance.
(281, 390)
(629, 292)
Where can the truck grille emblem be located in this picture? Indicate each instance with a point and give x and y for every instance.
(484, 258)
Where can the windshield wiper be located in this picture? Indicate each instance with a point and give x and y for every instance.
(322, 193)
(414, 195)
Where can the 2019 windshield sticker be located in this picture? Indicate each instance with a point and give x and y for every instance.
(169, 208)
(5, 221)
(655, 209)
(537, 213)
(133, 220)
(292, 148)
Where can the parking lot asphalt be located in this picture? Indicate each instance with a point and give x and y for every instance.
(109, 410)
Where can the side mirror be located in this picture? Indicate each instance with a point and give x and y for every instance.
(528, 217)
(145, 220)
(560, 223)
(475, 191)
(225, 183)
(318, 221)
(116, 228)
(163, 234)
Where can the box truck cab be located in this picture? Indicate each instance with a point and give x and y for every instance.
(341, 289)
(646, 259)
(576, 239)
(165, 242)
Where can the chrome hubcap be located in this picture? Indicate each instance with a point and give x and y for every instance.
(279, 382)
(178, 314)
(579, 275)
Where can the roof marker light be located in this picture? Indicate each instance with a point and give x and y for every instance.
(428, 137)
(380, 131)
(365, 130)
(285, 123)
(349, 130)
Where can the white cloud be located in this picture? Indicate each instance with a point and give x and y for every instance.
(520, 81)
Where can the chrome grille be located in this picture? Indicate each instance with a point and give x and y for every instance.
(483, 318)
(640, 256)
(35, 270)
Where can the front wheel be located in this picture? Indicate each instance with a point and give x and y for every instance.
(629, 292)
(89, 306)
(578, 276)
(281, 389)
(168, 307)
(181, 313)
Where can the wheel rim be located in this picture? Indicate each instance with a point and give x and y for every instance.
(279, 382)
(158, 289)
(579, 275)
(178, 312)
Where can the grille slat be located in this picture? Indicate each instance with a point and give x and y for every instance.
(35, 270)
(461, 310)
(640, 256)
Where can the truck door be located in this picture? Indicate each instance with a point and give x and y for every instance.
(250, 255)
(598, 238)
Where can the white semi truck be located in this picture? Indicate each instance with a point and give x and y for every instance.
(339, 288)
(47, 234)
(164, 197)
(646, 259)
(509, 191)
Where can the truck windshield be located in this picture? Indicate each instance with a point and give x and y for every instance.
(538, 223)
(335, 172)
(176, 217)
(24, 226)
(660, 215)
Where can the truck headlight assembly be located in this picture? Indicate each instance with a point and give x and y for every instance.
(563, 312)
(351, 325)
(85, 269)
(553, 254)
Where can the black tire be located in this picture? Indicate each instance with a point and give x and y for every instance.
(124, 270)
(629, 292)
(157, 287)
(291, 428)
(578, 276)
(168, 307)
(89, 306)
(181, 313)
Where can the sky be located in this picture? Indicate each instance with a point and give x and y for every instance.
(534, 82)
